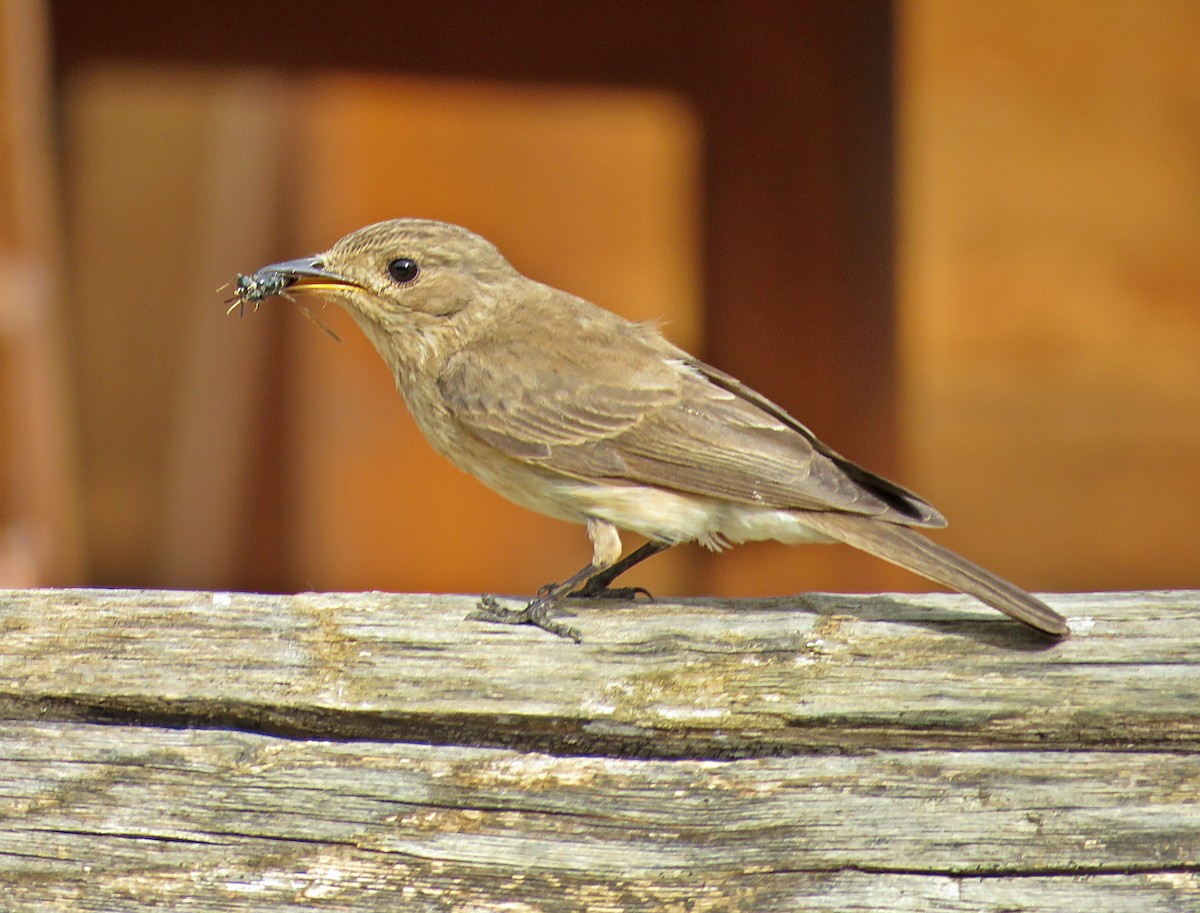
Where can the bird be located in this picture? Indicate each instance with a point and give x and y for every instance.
(573, 411)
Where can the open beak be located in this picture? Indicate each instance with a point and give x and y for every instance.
(307, 273)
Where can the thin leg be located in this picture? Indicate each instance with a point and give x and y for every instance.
(597, 586)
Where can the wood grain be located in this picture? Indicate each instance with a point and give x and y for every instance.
(701, 679)
(213, 751)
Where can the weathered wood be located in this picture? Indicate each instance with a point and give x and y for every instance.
(820, 752)
(701, 679)
(98, 815)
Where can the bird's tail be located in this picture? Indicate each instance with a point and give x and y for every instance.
(909, 549)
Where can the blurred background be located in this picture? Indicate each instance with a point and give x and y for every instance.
(959, 239)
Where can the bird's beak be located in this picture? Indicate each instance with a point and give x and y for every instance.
(307, 273)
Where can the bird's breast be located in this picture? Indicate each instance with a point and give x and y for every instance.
(526, 484)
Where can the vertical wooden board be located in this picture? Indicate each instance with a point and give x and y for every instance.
(225, 419)
(589, 190)
(1050, 285)
(39, 510)
(127, 246)
(11, 230)
(798, 113)
(162, 207)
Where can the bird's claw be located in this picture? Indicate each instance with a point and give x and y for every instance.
(598, 591)
(627, 593)
(537, 613)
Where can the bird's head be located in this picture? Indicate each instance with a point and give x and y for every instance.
(395, 278)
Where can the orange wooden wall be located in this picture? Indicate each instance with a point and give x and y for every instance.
(1050, 293)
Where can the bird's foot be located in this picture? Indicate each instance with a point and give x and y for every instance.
(537, 613)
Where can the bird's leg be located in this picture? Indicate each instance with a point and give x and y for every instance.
(606, 549)
(597, 585)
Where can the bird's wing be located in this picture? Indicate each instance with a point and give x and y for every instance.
(916, 510)
(636, 412)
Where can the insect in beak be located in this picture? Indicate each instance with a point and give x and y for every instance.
(307, 274)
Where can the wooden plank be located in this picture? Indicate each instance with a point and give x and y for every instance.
(96, 815)
(348, 752)
(704, 679)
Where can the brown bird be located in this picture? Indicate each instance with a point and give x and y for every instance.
(573, 411)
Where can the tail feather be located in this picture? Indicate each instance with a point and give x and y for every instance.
(909, 549)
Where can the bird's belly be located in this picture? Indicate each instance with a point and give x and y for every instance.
(673, 516)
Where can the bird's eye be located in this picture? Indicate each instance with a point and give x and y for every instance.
(403, 270)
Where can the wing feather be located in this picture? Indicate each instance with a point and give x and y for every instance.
(647, 413)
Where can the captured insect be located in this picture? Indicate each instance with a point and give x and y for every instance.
(258, 287)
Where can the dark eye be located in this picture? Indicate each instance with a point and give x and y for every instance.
(403, 270)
